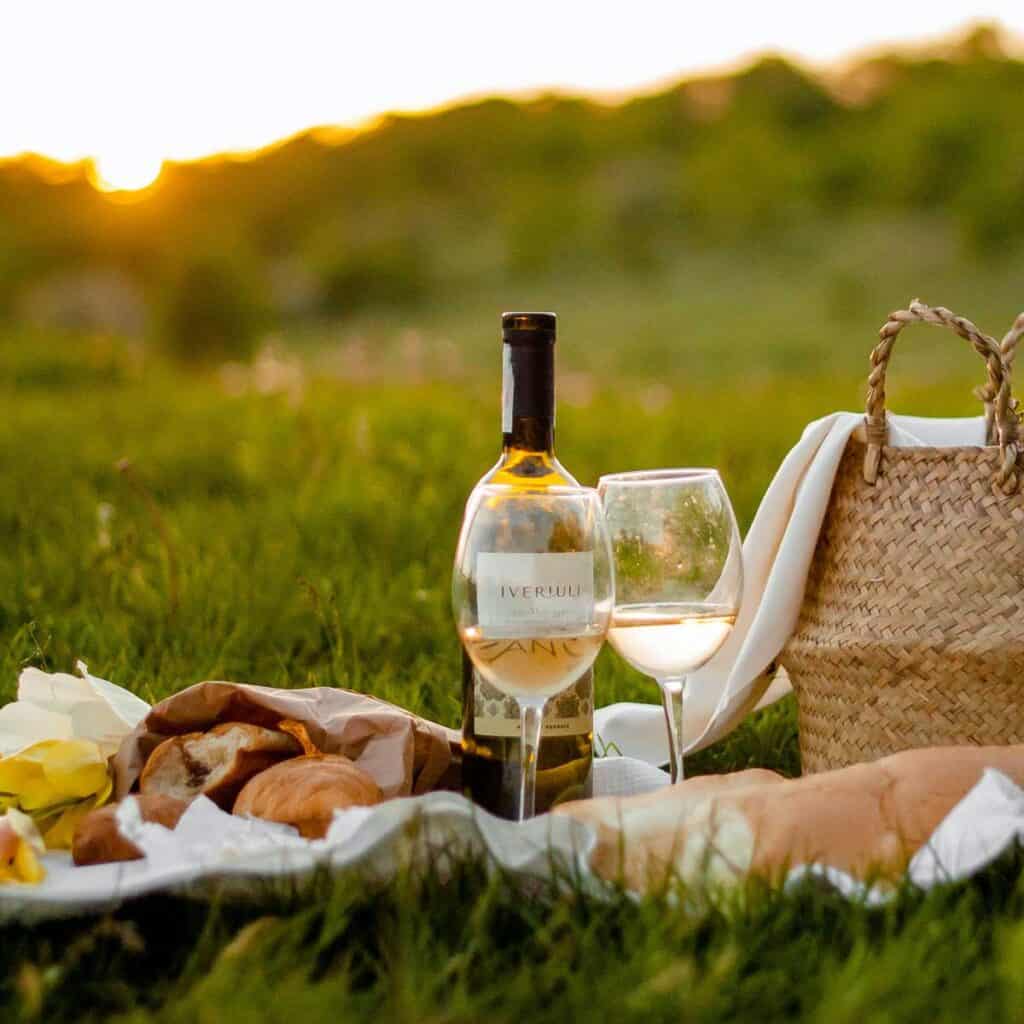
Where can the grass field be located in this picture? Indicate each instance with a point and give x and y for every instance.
(294, 525)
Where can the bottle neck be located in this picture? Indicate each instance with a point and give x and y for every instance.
(528, 398)
(529, 435)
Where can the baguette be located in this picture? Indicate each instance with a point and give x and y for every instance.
(868, 819)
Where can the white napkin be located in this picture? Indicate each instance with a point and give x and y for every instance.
(777, 555)
(973, 834)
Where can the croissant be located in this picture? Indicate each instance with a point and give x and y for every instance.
(306, 791)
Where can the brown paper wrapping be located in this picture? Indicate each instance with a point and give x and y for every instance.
(405, 754)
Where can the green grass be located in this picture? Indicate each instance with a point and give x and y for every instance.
(167, 530)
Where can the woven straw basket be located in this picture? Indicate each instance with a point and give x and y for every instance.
(911, 631)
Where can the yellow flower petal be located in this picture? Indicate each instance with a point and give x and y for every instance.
(27, 866)
(36, 792)
(15, 773)
(20, 849)
(37, 753)
(75, 768)
(59, 834)
(57, 782)
(54, 771)
(104, 794)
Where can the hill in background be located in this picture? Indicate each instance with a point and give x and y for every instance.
(773, 193)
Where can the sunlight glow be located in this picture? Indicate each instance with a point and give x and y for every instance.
(128, 83)
(125, 171)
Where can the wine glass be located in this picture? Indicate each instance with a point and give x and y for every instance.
(532, 592)
(679, 578)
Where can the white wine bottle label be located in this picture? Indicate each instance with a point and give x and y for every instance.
(571, 713)
(519, 594)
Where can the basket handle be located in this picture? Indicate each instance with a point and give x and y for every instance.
(1002, 403)
(1008, 346)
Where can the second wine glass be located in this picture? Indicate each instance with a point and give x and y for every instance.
(679, 578)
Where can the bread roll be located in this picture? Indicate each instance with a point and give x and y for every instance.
(868, 819)
(306, 791)
(217, 763)
(98, 841)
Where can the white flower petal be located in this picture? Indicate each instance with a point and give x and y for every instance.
(56, 705)
(129, 709)
(97, 721)
(23, 723)
(56, 691)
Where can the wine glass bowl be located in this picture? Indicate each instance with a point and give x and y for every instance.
(532, 594)
(679, 577)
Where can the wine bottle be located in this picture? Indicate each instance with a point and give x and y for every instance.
(490, 722)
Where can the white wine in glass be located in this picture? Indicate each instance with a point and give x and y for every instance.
(525, 667)
(678, 578)
(532, 593)
(666, 639)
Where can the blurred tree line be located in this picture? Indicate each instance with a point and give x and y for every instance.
(324, 227)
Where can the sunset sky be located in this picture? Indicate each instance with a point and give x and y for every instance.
(133, 82)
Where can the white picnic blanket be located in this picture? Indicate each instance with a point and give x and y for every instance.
(212, 851)
(777, 555)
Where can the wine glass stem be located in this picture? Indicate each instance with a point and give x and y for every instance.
(672, 691)
(531, 717)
